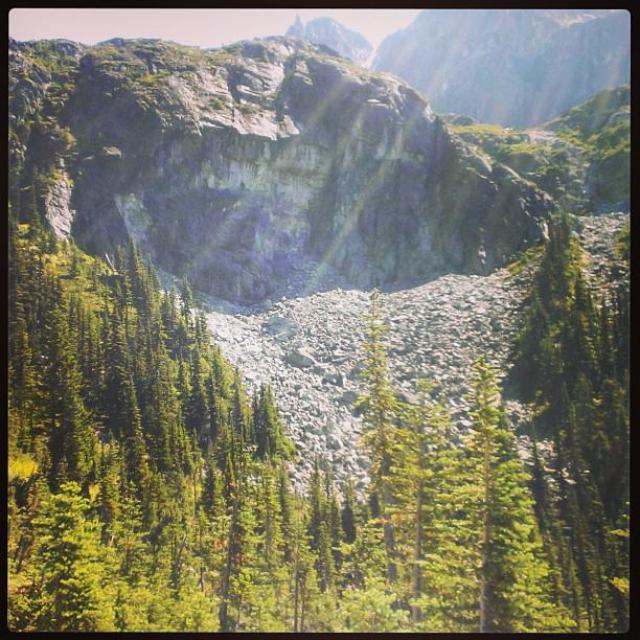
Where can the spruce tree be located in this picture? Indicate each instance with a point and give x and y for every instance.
(66, 591)
(379, 406)
(513, 587)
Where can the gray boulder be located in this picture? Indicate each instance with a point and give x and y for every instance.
(300, 358)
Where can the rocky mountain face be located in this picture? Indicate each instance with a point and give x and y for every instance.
(238, 166)
(601, 127)
(326, 31)
(285, 182)
(513, 67)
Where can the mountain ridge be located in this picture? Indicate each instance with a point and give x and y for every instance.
(517, 68)
(309, 152)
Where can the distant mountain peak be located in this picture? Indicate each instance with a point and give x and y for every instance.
(296, 30)
(327, 31)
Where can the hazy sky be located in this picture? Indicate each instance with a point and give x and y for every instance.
(199, 27)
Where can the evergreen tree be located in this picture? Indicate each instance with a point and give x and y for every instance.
(423, 472)
(379, 405)
(71, 439)
(65, 592)
(512, 573)
(267, 429)
(568, 365)
(348, 518)
(319, 527)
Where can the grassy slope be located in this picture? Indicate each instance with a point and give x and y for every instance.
(581, 158)
(601, 126)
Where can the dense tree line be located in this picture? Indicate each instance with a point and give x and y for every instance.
(147, 485)
(150, 490)
(572, 364)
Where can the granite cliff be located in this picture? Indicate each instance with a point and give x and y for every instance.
(237, 166)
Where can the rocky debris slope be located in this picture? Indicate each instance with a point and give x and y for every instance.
(599, 236)
(310, 349)
(308, 346)
(238, 166)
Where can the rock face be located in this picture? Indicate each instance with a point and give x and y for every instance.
(59, 215)
(239, 165)
(603, 126)
(513, 67)
(332, 34)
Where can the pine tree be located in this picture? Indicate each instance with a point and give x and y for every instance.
(569, 366)
(240, 415)
(65, 592)
(267, 429)
(379, 405)
(348, 518)
(513, 576)
(71, 438)
(286, 508)
(123, 419)
(319, 527)
(198, 417)
(423, 471)
(303, 579)
(236, 583)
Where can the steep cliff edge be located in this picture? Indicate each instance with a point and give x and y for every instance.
(235, 166)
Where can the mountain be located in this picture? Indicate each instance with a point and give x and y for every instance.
(513, 67)
(280, 448)
(223, 168)
(237, 167)
(349, 44)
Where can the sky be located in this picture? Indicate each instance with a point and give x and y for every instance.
(198, 27)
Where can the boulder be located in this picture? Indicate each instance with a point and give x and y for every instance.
(300, 358)
(281, 328)
(334, 377)
(348, 399)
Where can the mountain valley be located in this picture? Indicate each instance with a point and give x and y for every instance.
(297, 346)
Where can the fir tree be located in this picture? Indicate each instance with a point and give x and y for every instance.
(379, 405)
(65, 592)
